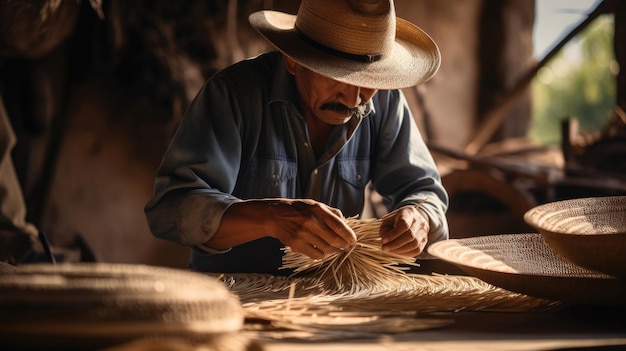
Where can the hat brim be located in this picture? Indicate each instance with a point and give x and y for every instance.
(414, 59)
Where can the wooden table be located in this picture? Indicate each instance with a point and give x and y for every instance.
(572, 328)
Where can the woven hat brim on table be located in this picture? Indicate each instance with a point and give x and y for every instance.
(73, 306)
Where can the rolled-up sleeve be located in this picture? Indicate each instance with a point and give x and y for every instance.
(198, 171)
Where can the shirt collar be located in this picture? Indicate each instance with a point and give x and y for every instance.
(284, 87)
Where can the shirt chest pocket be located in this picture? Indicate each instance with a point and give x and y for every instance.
(354, 172)
(270, 178)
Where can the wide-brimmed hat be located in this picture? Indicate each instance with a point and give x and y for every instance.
(69, 305)
(361, 43)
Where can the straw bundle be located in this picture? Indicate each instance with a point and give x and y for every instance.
(364, 265)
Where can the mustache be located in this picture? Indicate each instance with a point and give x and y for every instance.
(341, 108)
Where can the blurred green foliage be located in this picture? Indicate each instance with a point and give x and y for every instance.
(578, 82)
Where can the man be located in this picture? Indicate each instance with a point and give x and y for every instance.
(277, 150)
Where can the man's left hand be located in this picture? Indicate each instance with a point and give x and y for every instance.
(405, 231)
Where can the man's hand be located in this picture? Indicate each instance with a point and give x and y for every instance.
(405, 231)
(309, 227)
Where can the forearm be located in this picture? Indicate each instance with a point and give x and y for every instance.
(190, 218)
(243, 222)
(307, 226)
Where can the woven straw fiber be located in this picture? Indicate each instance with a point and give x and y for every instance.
(71, 306)
(365, 290)
(525, 263)
(415, 302)
(590, 232)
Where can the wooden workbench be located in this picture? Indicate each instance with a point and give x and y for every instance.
(572, 328)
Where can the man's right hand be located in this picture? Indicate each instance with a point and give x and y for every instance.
(308, 227)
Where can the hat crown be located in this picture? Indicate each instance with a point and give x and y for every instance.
(357, 27)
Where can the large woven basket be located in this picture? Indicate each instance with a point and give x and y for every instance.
(525, 263)
(590, 232)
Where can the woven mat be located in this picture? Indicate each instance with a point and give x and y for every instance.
(412, 302)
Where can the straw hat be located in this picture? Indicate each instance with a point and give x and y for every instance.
(361, 43)
(95, 305)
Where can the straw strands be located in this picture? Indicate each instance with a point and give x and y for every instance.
(302, 303)
(271, 297)
(364, 290)
(364, 265)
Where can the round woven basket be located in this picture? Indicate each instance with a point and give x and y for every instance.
(94, 305)
(589, 232)
(526, 264)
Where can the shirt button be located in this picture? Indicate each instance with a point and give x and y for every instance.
(274, 176)
(358, 177)
(306, 144)
(315, 172)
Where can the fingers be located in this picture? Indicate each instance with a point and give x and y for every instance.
(337, 234)
(313, 245)
(405, 232)
(306, 248)
(328, 225)
(405, 241)
(407, 244)
(312, 228)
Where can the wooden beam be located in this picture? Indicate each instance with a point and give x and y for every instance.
(620, 53)
(494, 117)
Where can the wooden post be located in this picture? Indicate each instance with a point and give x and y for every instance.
(620, 52)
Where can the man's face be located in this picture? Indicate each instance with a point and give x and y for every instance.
(330, 101)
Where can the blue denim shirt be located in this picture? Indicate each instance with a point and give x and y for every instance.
(244, 138)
